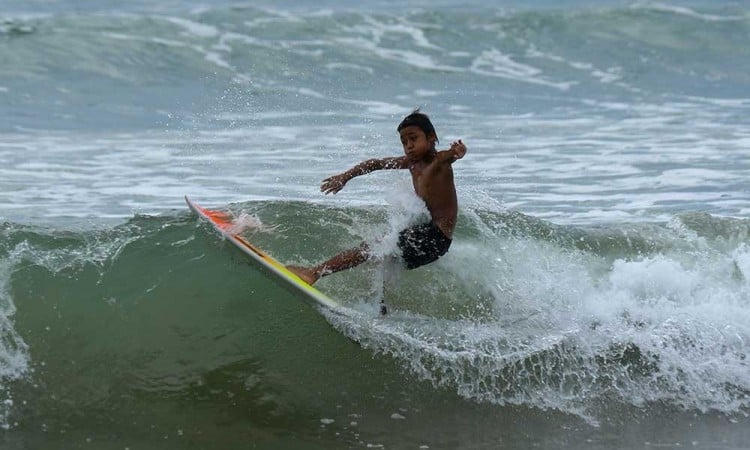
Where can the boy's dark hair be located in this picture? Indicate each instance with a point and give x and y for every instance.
(420, 120)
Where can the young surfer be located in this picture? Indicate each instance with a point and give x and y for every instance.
(432, 176)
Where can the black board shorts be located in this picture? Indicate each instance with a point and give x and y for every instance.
(422, 244)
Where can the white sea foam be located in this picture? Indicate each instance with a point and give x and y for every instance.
(610, 75)
(349, 66)
(371, 36)
(497, 64)
(157, 40)
(565, 169)
(215, 58)
(381, 29)
(742, 260)
(408, 57)
(194, 28)
(692, 177)
(685, 11)
(668, 327)
(381, 108)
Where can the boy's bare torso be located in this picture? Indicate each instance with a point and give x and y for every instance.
(433, 183)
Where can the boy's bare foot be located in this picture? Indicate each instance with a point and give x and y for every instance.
(309, 276)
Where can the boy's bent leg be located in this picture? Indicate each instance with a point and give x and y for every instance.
(344, 260)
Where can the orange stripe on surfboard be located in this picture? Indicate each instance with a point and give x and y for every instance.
(220, 218)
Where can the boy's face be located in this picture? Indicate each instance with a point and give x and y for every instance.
(416, 143)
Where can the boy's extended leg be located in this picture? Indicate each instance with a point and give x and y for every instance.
(344, 260)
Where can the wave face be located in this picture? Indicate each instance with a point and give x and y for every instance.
(520, 312)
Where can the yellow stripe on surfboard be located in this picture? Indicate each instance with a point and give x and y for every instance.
(282, 268)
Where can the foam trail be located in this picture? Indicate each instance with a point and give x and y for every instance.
(560, 326)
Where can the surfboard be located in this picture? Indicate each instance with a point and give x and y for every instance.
(224, 224)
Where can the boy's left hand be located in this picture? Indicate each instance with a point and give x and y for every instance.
(458, 148)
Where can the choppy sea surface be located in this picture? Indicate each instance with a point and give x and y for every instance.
(597, 293)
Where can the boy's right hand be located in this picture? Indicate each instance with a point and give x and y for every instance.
(332, 185)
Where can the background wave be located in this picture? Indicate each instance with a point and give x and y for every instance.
(182, 60)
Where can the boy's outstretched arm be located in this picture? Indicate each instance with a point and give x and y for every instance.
(456, 152)
(332, 185)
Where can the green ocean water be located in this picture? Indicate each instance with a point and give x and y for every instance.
(158, 334)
